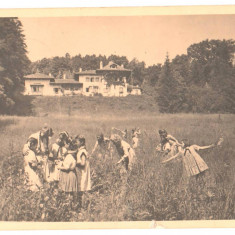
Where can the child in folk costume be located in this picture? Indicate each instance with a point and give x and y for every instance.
(83, 169)
(125, 151)
(68, 179)
(57, 154)
(168, 143)
(31, 165)
(192, 161)
(103, 145)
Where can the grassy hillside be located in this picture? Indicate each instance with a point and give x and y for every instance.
(80, 105)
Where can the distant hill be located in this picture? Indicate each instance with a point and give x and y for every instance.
(89, 106)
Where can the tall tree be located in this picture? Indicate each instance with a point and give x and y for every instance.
(13, 62)
(167, 88)
(138, 71)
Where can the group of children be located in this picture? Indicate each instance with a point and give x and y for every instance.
(66, 162)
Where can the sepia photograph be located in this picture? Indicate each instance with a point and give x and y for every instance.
(117, 115)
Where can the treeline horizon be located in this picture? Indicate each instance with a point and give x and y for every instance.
(200, 81)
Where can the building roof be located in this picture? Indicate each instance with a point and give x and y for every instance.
(133, 87)
(65, 81)
(111, 66)
(38, 76)
(86, 72)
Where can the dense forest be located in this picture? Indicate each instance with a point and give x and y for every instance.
(200, 81)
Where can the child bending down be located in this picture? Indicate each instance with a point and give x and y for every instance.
(192, 161)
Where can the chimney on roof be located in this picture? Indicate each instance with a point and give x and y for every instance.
(101, 64)
(64, 76)
(80, 69)
(50, 75)
(122, 65)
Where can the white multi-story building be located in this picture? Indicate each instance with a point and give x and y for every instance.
(110, 80)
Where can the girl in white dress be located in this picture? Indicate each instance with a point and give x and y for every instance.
(83, 165)
(83, 170)
(42, 149)
(31, 165)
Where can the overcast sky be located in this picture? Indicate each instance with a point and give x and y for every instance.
(147, 38)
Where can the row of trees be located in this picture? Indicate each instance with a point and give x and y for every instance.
(203, 80)
(58, 66)
(200, 81)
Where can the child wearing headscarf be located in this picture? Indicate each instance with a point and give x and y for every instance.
(31, 166)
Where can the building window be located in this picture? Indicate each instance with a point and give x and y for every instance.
(87, 89)
(95, 89)
(87, 79)
(36, 88)
(97, 79)
(56, 90)
(92, 79)
(113, 66)
(120, 90)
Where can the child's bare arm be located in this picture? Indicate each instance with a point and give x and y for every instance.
(171, 158)
(197, 147)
